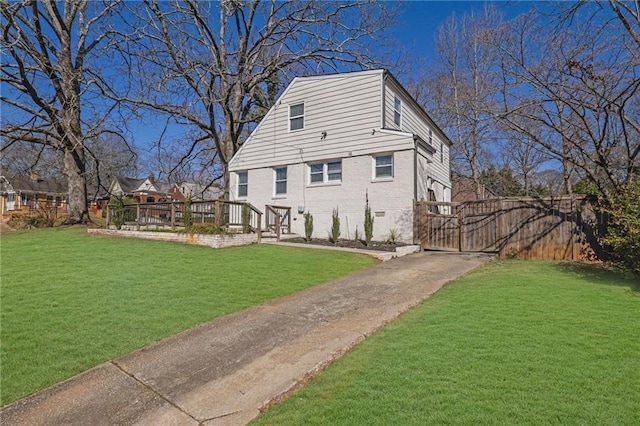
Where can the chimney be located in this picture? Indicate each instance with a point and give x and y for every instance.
(152, 179)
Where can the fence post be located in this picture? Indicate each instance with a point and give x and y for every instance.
(108, 216)
(501, 232)
(574, 231)
(460, 218)
(259, 226)
(173, 215)
(138, 217)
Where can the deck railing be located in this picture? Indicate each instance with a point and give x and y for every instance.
(278, 219)
(230, 216)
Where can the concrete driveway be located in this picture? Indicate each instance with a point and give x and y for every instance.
(226, 371)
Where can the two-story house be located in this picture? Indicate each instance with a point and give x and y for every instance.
(332, 140)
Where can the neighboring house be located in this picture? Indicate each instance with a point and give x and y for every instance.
(33, 193)
(145, 190)
(330, 141)
(200, 192)
(464, 189)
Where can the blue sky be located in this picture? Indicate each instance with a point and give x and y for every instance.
(419, 20)
(415, 32)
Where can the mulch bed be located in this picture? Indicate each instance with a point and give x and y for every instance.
(356, 244)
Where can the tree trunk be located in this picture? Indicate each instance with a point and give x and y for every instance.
(74, 169)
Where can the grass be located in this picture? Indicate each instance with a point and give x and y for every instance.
(516, 342)
(70, 301)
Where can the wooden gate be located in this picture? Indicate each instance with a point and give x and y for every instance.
(561, 228)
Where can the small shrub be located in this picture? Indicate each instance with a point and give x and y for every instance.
(394, 236)
(116, 205)
(246, 219)
(335, 227)
(206, 229)
(308, 226)
(120, 214)
(187, 214)
(623, 233)
(368, 223)
(356, 236)
(40, 220)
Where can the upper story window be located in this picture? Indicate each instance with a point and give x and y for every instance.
(384, 166)
(281, 180)
(441, 152)
(243, 184)
(397, 110)
(296, 116)
(430, 137)
(328, 172)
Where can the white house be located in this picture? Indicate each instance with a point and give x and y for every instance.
(330, 140)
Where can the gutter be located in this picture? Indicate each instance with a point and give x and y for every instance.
(415, 168)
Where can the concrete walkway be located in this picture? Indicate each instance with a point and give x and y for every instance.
(225, 371)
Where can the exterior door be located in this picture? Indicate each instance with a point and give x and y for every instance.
(11, 200)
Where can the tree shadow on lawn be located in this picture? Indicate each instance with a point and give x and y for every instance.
(599, 273)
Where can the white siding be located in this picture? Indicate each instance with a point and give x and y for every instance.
(347, 107)
(413, 122)
(430, 171)
(393, 198)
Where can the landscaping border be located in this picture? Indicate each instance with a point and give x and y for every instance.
(208, 240)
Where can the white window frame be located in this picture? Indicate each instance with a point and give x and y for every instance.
(397, 110)
(326, 175)
(241, 184)
(377, 167)
(320, 172)
(276, 181)
(296, 117)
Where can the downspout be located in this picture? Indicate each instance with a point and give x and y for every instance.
(384, 103)
(416, 238)
(415, 168)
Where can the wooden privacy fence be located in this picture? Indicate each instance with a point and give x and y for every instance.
(551, 228)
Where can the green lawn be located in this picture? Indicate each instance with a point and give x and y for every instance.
(70, 301)
(516, 342)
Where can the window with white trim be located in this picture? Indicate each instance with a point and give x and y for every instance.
(329, 172)
(384, 166)
(316, 173)
(441, 152)
(334, 171)
(281, 180)
(397, 110)
(243, 184)
(296, 116)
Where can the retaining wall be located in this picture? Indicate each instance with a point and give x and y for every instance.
(208, 240)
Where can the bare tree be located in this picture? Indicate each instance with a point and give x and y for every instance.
(463, 89)
(627, 12)
(218, 66)
(578, 84)
(524, 156)
(51, 95)
(23, 158)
